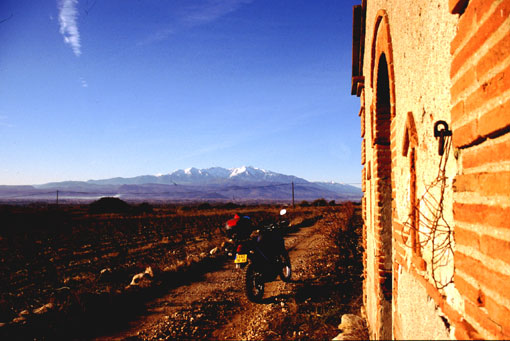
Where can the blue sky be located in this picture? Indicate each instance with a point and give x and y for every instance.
(94, 89)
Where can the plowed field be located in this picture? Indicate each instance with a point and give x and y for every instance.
(67, 273)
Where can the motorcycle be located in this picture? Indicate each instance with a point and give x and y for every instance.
(265, 257)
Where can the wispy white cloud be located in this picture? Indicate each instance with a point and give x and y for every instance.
(157, 36)
(196, 14)
(210, 10)
(4, 122)
(67, 18)
(84, 83)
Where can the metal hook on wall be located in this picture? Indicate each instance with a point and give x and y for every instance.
(441, 134)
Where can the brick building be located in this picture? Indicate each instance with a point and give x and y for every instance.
(433, 78)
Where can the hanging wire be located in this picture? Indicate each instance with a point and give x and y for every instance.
(438, 233)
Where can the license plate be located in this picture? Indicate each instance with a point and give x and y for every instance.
(241, 258)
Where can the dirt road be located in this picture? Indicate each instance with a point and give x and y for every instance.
(216, 307)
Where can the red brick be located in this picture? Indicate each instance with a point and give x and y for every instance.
(464, 183)
(465, 29)
(434, 294)
(382, 137)
(402, 237)
(460, 60)
(484, 184)
(397, 227)
(419, 262)
(490, 154)
(464, 331)
(466, 134)
(481, 36)
(491, 279)
(499, 314)
(465, 81)
(363, 122)
(494, 216)
(482, 319)
(468, 291)
(363, 152)
(494, 56)
(495, 183)
(477, 99)
(383, 151)
(457, 112)
(399, 258)
(467, 238)
(383, 160)
(394, 128)
(495, 120)
(481, 7)
(397, 330)
(493, 88)
(394, 152)
(400, 252)
(496, 248)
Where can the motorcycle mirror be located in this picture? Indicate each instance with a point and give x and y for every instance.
(282, 212)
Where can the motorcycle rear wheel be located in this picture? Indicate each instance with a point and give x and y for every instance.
(254, 284)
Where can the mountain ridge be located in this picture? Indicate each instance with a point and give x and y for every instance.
(213, 184)
(204, 176)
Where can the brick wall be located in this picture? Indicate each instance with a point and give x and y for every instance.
(480, 94)
(419, 63)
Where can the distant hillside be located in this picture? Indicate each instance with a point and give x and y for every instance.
(192, 184)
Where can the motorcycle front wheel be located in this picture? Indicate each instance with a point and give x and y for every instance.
(286, 270)
(254, 284)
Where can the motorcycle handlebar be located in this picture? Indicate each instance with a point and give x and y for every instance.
(275, 226)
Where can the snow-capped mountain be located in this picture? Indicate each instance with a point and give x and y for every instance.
(257, 174)
(216, 174)
(216, 183)
(195, 176)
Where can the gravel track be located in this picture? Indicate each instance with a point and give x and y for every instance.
(215, 306)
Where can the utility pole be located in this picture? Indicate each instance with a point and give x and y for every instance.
(293, 194)
(57, 197)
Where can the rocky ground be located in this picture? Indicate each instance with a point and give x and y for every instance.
(214, 306)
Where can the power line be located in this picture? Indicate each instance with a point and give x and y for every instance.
(188, 188)
(26, 195)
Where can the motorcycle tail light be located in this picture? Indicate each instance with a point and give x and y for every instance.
(239, 248)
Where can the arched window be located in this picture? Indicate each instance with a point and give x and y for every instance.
(409, 146)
